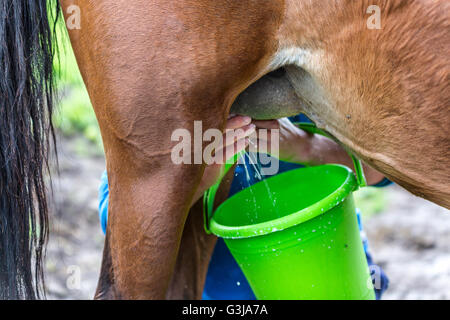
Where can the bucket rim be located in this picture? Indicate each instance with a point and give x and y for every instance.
(322, 206)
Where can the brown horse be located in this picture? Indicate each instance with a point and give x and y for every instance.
(152, 67)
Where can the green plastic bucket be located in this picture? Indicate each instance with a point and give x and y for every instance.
(306, 245)
(300, 239)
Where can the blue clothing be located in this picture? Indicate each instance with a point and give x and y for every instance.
(383, 183)
(225, 279)
(103, 197)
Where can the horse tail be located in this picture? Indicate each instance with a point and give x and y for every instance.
(26, 134)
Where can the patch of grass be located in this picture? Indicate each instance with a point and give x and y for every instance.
(75, 115)
(370, 200)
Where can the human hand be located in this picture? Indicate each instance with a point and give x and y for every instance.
(225, 150)
(294, 144)
(299, 146)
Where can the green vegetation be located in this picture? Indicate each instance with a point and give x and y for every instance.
(370, 200)
(75, 115)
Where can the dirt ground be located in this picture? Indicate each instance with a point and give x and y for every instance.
(410, 239)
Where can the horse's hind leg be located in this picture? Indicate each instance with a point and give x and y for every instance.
(149, 200)
(149, 194)
(151, 69)
(193, 258)
(146, 219)
(196, 249)
(148, 208)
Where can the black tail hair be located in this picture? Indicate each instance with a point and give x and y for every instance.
(26, 133)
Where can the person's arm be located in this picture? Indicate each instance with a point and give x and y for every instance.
(298, 146)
